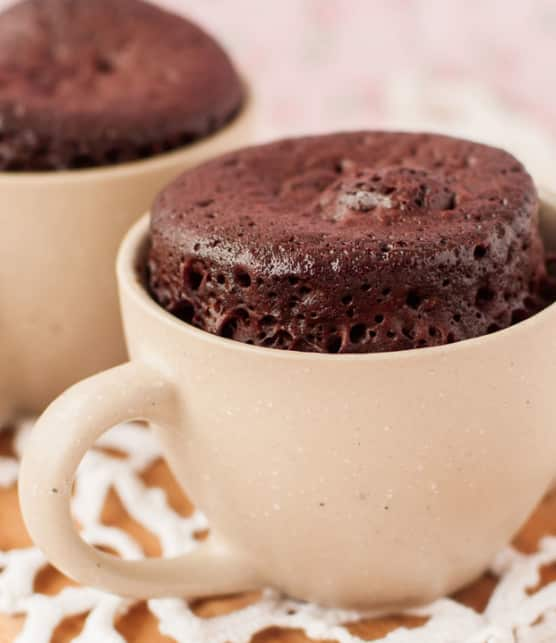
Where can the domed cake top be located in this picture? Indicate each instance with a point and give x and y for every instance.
(87, 83)
(353, 242)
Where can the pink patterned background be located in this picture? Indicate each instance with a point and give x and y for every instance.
(481, 68)
(485, 69)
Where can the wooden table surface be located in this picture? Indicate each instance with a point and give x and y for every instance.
(139, 626)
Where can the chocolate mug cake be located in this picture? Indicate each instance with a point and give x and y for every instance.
(102, 103)
(350, 243)
(384, 462)
(89, 84)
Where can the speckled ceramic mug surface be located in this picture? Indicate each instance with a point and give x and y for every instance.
(373, 480)
(59, 320)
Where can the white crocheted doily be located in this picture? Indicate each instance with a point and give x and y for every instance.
(512, 614)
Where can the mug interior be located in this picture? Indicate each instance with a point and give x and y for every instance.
(131, 271)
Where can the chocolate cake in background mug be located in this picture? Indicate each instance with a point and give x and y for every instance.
(96, 83)
(102, 103)
(357, 242)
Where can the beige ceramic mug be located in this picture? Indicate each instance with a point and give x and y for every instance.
(60, 231)
(352, 480)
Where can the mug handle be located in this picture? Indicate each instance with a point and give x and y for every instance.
(60, 439)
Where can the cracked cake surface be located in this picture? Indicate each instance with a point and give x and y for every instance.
(350, 242)
(86, 84)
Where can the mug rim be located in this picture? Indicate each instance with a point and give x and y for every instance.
(131, 256)
(155, 162)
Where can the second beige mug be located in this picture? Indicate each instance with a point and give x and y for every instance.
(376, 480)
(60, 231)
